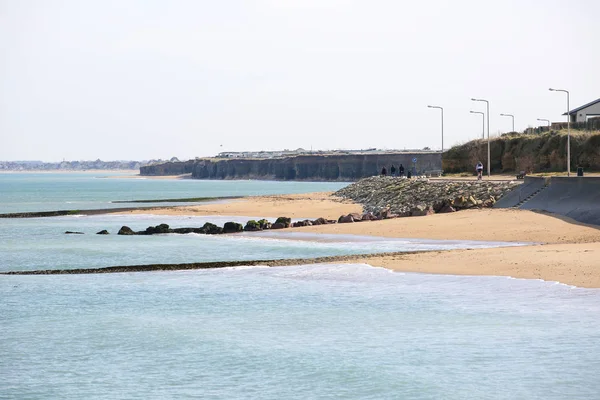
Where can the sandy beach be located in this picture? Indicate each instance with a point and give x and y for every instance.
(561, 249)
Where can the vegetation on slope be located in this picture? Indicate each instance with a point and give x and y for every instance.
(545, 152)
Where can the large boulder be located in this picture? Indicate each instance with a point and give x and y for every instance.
(345, 219)
(102, 232)
(188, 230)
(356, 217)
(264, 224)
(421, 210)
(320, 221)
(252, 226)
(158, 229)
(211, 229)
(285, 221)
(232, 227)
(278, 225)
(125, 230)
(306, 222)
(447, 208)
(368, 216)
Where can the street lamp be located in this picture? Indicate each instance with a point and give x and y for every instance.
(547, 120)
(488, 133)
(482, 122)
(441, 108)
(513, 119)
(568, 130)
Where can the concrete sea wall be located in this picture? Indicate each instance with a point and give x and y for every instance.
(350, 167)
(574, 197)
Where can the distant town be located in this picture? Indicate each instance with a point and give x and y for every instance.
(72, 165)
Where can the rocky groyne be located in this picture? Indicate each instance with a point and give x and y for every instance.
(417, 197)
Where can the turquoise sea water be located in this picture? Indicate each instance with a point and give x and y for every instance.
(302, 332)
(27, 192)
(307, 332)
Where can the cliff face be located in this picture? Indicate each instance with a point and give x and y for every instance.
(533, 153)
(168, 168)
(316, 168)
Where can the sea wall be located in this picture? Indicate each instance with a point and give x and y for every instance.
(314, 167)
(574, 197)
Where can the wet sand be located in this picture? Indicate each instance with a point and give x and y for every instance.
(563, 250)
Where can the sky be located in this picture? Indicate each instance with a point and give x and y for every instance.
(149, 79)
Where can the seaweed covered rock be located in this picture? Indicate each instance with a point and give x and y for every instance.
(232, 227)
(211, 229)
(252, 226)
(264, 224)
(188, 230)
(125, 230)
(285, 221)
(158, 229)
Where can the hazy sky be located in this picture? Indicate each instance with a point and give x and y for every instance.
(142, 79)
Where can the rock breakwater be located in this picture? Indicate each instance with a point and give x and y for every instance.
(417, 197)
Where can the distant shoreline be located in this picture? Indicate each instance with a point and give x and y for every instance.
(62, 171)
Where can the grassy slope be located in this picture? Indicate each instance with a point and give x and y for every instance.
(545, 152)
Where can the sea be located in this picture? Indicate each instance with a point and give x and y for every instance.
(324, 331)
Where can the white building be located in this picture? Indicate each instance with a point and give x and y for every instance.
(583, 113)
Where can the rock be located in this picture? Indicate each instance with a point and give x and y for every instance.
(73, 233)
(421, 210)
(447, 208)
(232, 227)
(252, 226)
(278, 225)
(320, 221)
(264, 224)
(368, 216)
(102, 232)
(211, 229)
(188, 230)
(306, 222)
(125, 230)
(158, 229)
(284, 220)
(344, 219)
(356, 217)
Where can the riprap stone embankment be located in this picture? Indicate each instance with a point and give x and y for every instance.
(416, 197)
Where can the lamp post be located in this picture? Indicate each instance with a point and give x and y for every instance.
(488, 134)
(513, 120)
(441, 108)
(482, 122)
(547, 120)
(568, 130)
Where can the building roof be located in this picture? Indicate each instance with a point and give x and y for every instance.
(576, 110)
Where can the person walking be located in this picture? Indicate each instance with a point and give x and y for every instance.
(393, 170)
(383, 171)
(479, 169)
(401, 170)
